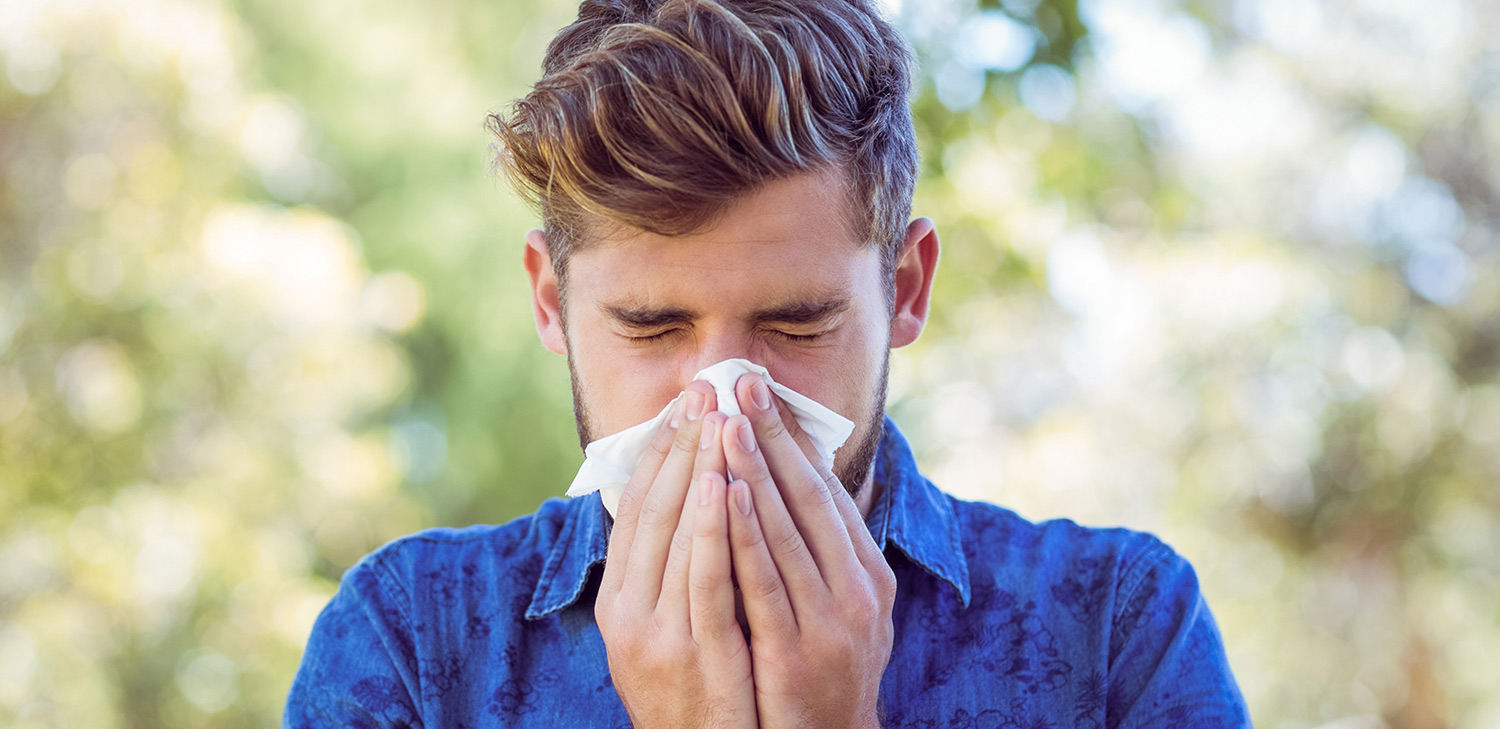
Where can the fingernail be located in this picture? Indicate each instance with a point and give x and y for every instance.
(707, 439)
(742, 498)
(705, 489)
(747, 437)
(694, 406)
(761, 395)
(675, 418)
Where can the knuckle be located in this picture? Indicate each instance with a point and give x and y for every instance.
(763, 585)
(774, 428)
(885, 583)
(682, 544)
(703, 582)
(885, 633)
(685, 443)
(677, 563)
(862, 609)
(820, 495)
(749, 537)
(653, 513)
(661, 445)
(789, 543)
(615, 633)
(630, 502)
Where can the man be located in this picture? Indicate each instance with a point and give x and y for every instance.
(732, 179)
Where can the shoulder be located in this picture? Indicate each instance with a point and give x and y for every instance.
(408, 618)
(1110, 573)
(993, 533)
(514, 549)
(536, 531)
(1122, 594)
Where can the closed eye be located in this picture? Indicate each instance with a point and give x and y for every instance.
(653, 338)
(797, 337)
(662, 336)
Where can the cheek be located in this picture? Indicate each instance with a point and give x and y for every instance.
(618, 390)
(843, 378)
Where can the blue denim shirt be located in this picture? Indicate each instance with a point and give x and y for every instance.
(999, 622)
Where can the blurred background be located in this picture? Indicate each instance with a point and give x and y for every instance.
(1224, 270)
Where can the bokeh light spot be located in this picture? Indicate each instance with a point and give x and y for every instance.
(1048, 92)
(209, 681)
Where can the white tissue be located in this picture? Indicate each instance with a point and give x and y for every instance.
(609, 462)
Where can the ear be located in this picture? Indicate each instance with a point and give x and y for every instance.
(546, 307)
(914, 272)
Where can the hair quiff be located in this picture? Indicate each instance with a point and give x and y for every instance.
(657, 114)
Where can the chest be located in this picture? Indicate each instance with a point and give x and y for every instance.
(1012, 659)
(1008, 660)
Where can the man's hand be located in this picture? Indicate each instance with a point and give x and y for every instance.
(817, 592)
(666, 603)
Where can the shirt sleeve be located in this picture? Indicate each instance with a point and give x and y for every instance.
(359, 669)
(1167, 663)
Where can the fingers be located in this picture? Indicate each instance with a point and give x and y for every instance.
(710, 593)
(672, 605)
(808, 495)
(710, 445)
(622, 535)
(661, 509)
(854, 522)
(786, 544)
(767, 604)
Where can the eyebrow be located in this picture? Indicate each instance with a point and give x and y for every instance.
(648, 317)
(802, 312)
(644, 316)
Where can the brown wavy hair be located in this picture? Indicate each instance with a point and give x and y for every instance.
(657, 114)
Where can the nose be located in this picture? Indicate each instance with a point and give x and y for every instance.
(715, 347)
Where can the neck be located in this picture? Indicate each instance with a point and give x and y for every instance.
(868, 495)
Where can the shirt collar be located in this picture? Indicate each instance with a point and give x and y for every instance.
(915, 516)
(910, 513)
(581, 544)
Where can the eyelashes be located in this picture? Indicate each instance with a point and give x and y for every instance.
(798, 337)
(653, 338)
(662, 337)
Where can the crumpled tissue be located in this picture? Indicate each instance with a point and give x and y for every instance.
(609, 461)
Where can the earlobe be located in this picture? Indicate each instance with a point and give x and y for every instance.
(546, 303)
(914, 274)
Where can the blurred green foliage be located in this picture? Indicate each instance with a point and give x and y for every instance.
(1224, 271)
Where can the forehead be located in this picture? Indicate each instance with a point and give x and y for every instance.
(786, 240)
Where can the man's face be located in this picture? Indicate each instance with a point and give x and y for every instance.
(778, 280)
